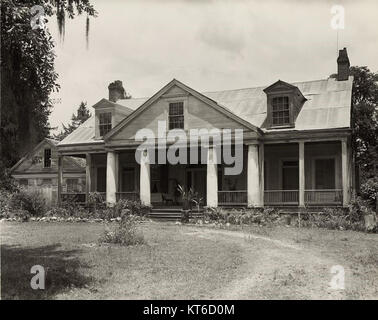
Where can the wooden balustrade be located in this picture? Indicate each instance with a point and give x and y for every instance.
(232, 197)
(324, 197)
(131, 195)
(281, 197)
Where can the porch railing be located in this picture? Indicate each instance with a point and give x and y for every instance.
(78, 197)
(131, 195)
(281, 197)
(326, 196)
(234, 197)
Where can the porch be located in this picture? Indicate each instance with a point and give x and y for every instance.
(287, 174)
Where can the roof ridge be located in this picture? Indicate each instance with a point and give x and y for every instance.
(258, 87)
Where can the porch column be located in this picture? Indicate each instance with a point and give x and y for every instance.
(345, 172)
(301, 175)
(111, 178)
(60, 179)
(88, 182)
(212, 178)
(261, 171)
(253, 176)
(145, 181)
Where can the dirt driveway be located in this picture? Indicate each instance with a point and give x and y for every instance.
(188, 262)
(294, 268)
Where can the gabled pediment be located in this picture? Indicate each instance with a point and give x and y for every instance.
(280, 86)
(200, 111)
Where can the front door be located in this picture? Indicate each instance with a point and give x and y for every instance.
(290, 181)
(290, 175)
(196, 179)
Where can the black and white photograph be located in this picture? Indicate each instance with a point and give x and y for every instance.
(206, 152)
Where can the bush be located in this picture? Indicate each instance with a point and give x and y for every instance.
(134, 207)
(24, 215)
(58, 212)
(260, 216)
(125, 233)
(5, 203)
(31, 201)
(96, 200)
(7, 182)
(351, 218)
(73, 209)
(369, 191)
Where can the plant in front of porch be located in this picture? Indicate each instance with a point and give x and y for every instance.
(187, 196)
(125, 233)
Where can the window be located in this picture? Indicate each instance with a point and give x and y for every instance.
(105, 123)
(290, 175)
(72, 185)
(176, 115)
(325, 174)
(47, 158)
(280, 111)
(23, 182)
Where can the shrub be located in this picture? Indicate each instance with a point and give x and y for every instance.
(125, 233)
(369, 190)
(134, 207)
(333, 218)
(96, 200)
(260, 216)
(24, 215)
(58, 212)
(358, 208)
(5, 203)
(351, 218)
(73, 209)
(7, 182)
(29, 200)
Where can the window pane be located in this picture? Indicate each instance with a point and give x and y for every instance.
(280, 111)
(176, 115)
(47, 158)
(105, 123)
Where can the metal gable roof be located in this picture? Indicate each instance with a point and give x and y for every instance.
(328, 106)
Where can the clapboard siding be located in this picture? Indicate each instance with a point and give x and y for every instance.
(34, 162)
(197, 115)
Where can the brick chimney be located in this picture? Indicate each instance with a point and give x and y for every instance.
(343, 65)
(116, 91)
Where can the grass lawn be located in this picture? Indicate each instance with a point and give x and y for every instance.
(187, 262)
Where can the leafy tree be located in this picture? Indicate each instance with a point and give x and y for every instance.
(28, 76)
(365, 120)
(81, 116)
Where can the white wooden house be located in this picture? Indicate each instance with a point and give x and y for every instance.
(296, 143)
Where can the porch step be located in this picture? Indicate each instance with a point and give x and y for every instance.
(171, 214)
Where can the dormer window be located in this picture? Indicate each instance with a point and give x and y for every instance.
(176, 115)
(105, 123)
(284, 102)
(280, 111)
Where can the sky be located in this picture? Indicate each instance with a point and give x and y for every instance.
(207, 45)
